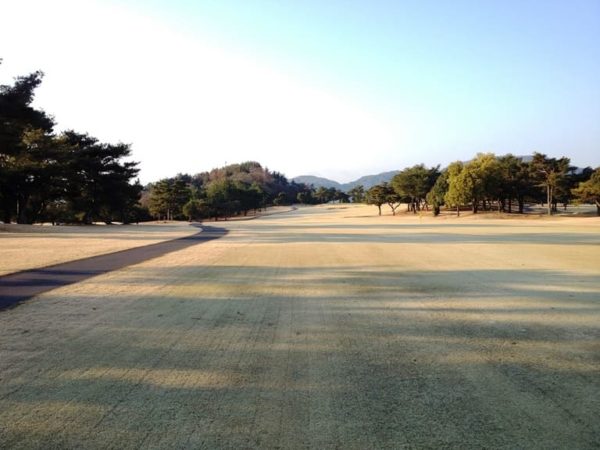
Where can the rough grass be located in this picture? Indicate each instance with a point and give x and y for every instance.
(321, 328)
(31, 246)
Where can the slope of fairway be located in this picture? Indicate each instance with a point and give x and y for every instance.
(327, 327)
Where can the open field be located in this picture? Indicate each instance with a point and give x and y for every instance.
(326, 327)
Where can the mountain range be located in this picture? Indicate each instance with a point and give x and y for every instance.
(367, 181)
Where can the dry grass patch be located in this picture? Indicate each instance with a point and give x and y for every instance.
(32, 246)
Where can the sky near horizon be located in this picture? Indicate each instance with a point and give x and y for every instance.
(331, 88)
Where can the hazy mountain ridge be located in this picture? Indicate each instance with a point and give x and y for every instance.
(317, 181)
(367, 181)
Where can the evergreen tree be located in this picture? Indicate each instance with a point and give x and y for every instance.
(589, 191)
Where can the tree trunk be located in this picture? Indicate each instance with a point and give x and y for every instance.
(6, 215)
(598, 207)
(549, 199)
(22, 203)
(521, 201)
(458, 211)
(509, 205)
(379, 206)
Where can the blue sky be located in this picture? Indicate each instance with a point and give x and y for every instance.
(332, 88)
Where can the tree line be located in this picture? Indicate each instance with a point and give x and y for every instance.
(65, 177)
(233, 190)
(489, 182)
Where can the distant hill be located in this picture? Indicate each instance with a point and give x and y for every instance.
(367, 181)
(317, 181)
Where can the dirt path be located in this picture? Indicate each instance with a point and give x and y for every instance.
(320, 329)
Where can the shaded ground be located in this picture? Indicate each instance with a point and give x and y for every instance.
(321, 329)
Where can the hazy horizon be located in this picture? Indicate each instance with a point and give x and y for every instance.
(337, 90)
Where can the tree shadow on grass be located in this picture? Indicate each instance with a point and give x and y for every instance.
(20, 286)
(374, 358)
(424, 238)
(384, 280)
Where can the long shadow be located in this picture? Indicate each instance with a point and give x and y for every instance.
(20, 286)
(431, 237)
(198, 370)
(381, 281)
(386, 226)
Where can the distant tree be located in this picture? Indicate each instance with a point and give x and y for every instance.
(195, 209)
(167, 198)
(459, 187)
(589, 191)
(159, 203)
(250, 197)
(341, 196)
(306, 196)
(332, 195)
(258, 196)
(357, 193)
(58, 211)
(378, 195)
(280, 199)
(564, 189)
(322, 194)
(220, 198)
(484, 174)
(413, 183)
(515, 182)
(476, 183)
(139, 213)
(121, 201)
(392, 198)
(550, 174)
(435, 197)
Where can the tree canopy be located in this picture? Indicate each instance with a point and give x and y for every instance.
(589, 191)
(413, 183)
(66, 177)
